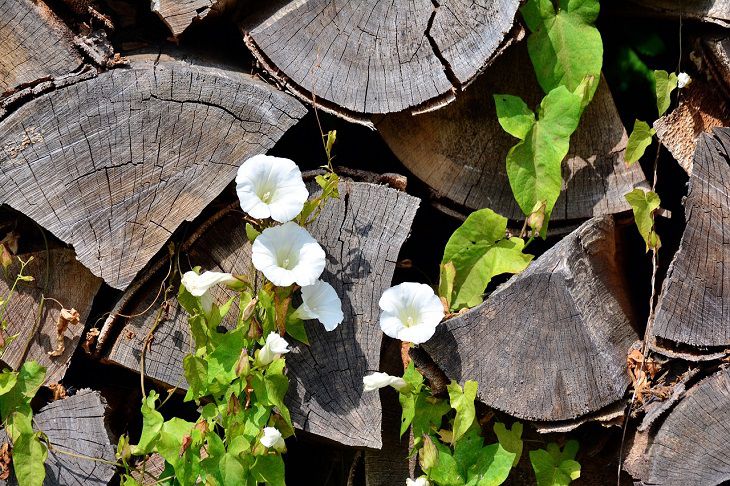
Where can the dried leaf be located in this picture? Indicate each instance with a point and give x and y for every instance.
(90, 339)
(59, 391)
(6, 460)
(66, 317)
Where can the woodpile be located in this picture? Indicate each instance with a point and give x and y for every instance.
(123, 125)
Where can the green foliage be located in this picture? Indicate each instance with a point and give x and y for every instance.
(644, 203)
(554, 467)
(510, 439)
(565, 47)
(664, 84)
(478, 250)
(462, 400)
(639, 140)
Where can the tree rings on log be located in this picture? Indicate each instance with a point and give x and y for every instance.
(690, 446)
(34, 44)
(56, 275)
(76, 424)
(179, 14)
(460, 150)
(361, 58)
(551, 343)
(114, 164)
(694, 306)
(362, 233)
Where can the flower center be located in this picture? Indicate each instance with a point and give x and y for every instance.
(287, 260)
(410, 317)
(266, 197)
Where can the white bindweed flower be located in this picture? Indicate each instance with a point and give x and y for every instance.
(320, 301)
(275, 346)
(683, 80)
(271, 187)
(379, 380)
(288, 254)
(200, 285)
(272, 439)
(422, 481)
(411, 312)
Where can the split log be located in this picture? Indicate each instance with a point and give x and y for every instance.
(715, 11)
(716, 52)
(114, 164)
(76, 424)
(551, 343)
(360, 58)
(690, 446)
(34, 44)
(701, 109)
(178, 15)
(694, 306)
(56, 275)
(362, 233)
(460, 150)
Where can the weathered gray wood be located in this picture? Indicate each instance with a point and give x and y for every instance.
(690, 446)
(76, 424)
(715, 11)
(694, 305)
(178, 15)
(716, 51)
(34, 44)
(551, 343)
(362, 234)
(460, 150)
(379, 56)
(66, 281)
(702, 109)
(114, 164)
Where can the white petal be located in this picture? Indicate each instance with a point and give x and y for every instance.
(198, 285)
(277, 343)
(417, 334)
(390, 324)
(288, 242)
(378, 380)
(272, 438)
(683, 80)
(415, 300)
(422, 481)
(320, 301)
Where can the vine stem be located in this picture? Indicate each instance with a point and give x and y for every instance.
(81, 456)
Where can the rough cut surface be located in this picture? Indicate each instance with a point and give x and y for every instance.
(76, 424)
(460, 150)
(690, 447)
(702, 109)
(34, 44)
(569, 312)
(694, 305)
(362, 233)
(179, 14)
(717, 53)
(716, 11)
(114, 164)
(379, 56)
(66, 281)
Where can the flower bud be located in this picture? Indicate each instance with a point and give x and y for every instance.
(428, 456)
(243, 365)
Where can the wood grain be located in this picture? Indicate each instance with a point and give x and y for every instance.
(379, 56)
(460, 150)
(362, 233)
(178, 15)
(551, 343)
(114, 164)
(34, 44)
(715, 11)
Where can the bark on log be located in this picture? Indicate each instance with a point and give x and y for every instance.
(57, 275)
(551, 343)
(362, 234)
(114, 164)
(716, 52)
(460, 150)
(715, 11)
(694, 306)
(690, 447)
(34, 44)
(701, 110)
(379, 57)
(76, 424)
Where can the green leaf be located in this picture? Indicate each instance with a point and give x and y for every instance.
(408, 410)
(554, 467)
(251, 232)
(196, 374)
(639, 140)
(510, 440)
(151, 425)
(276, 386)
(515, 117)
(534, 164)
(493, 466)
(644, 203)
(479, 251)
(447, 275)
(8, 379)
(564, 46)
(269, 469)
(296, 329)
(463, 402)
(429, 412)
(170, 446)
(29, 457)
(224, 358)
(232, 469)
(446, 471)
(664, 84)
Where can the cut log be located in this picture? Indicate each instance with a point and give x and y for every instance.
(34, 44)
(178, 15)
(114, 164)
(551, 343)
(715, 11)
(76, 424)
(702, 109)
(690, 446)
(716, 52)
(56, 275)
(694, 306)
(460, 150)
(379, 57)
(362, 233)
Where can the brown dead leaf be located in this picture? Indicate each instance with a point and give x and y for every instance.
(5, 460)
(59, 391)
(186, 441)
(90, 339)
(642, 371)
(66, 317)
